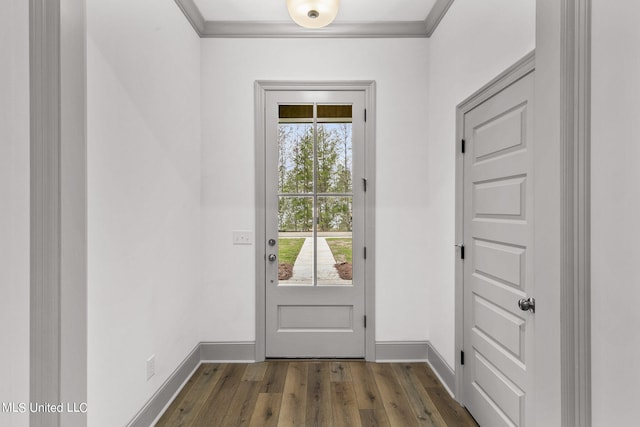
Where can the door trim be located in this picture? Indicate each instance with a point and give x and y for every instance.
(575, 300)
(58, 218)
(260, 90)
(520, 69)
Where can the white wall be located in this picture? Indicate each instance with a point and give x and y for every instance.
(615, 204)
(474, 42)
(143, 200)
(14, 208)
(229, 69)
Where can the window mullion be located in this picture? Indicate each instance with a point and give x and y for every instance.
(316, 213)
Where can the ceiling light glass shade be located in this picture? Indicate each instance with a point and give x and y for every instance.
(313, 13)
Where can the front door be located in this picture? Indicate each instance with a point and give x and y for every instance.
(314, 209)
(498, 238)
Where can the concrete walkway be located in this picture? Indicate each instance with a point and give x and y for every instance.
(303, 268)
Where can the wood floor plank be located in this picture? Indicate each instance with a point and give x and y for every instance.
(267, 410)
(174, 408)
(242, 405)
(365, 386)
(340, 371)
(327, 393)
(274, 377)
(393, 397)
(345, 405)
(294, 396)
(319, 411)
(191, 401)
(374, 418)
(255, 372)
(422, 405)
(426, 376)
(452, 413)
(218, 402)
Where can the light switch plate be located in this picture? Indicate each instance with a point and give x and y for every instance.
(242, 237)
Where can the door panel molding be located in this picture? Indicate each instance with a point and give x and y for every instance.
(498, 231)
(514, 73)
(261, 88)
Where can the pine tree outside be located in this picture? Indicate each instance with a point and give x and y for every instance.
(333, 185)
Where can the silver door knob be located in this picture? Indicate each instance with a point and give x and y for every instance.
(272, 257)
(527, 304)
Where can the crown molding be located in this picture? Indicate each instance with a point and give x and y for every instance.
(435, 16)
(287, 29)
(193, 15)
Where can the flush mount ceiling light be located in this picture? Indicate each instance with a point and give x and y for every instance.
(313, 13)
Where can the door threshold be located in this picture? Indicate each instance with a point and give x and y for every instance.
(314, 359)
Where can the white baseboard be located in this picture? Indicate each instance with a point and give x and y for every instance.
(228, 352)
(401, 351)
(168, 391)
(444, 372)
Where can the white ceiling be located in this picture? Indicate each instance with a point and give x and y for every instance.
(350, 10)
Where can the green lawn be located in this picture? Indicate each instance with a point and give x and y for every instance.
(341, 248)
(288, 250)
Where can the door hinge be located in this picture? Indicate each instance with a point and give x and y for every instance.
(364, 184)
(462, 146)
(461, 251)
(365, 115)
(365, 252)
(365, 322)
(462, 357)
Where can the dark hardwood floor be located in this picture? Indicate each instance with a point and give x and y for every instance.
(315, 393)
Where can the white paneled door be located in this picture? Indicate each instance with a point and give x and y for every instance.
(498, 238)
(314, 260)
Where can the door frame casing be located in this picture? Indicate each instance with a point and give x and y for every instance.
(514, 73)
(261, 87)
(58, 208)
(575, 140)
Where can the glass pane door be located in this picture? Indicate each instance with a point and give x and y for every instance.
(314, 217)
(315, 195)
